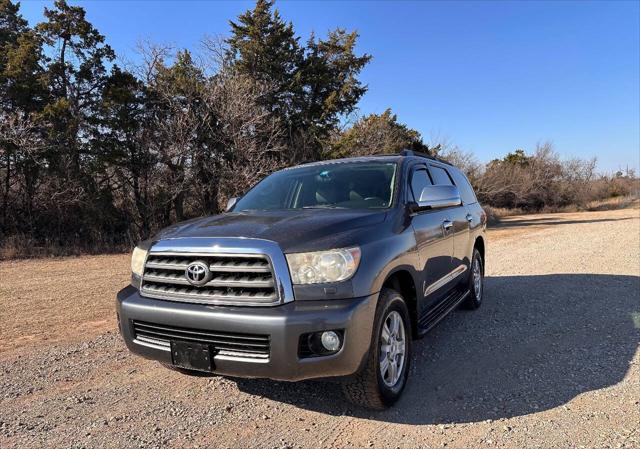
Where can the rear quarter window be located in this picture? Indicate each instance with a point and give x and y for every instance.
(466, 191)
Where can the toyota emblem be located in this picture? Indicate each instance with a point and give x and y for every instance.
(198, 273)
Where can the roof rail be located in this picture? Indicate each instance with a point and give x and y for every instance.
(424, 155)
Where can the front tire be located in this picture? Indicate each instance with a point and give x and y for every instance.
(384, 375)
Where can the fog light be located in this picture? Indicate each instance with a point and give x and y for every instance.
(321, 343)
(330, 340)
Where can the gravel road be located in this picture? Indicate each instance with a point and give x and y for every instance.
(550, 360)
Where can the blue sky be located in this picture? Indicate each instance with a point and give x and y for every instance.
(488, 76)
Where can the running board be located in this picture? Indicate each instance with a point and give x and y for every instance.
(440, 310)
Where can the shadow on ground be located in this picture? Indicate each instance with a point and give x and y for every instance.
(547, 221)
(537, 342)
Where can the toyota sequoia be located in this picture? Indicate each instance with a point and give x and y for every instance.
(323, 270)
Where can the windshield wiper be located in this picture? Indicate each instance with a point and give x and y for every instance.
(324, 206)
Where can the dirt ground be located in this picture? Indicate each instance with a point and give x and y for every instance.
(550, 360)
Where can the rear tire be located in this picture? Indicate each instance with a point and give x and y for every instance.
(476, 282)
(380, 382)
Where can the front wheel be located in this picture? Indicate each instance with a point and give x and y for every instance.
(382, 379)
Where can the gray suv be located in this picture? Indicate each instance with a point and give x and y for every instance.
(328, 270)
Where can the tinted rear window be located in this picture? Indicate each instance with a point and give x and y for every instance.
(440, 176)
(466, 191)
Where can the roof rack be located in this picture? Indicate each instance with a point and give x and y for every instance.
(424, 155)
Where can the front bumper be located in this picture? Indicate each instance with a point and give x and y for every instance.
(284, 324)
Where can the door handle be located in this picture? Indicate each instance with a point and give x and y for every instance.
(469, 218)
(447, 224)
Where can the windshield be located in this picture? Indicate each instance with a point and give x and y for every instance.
(342, 185)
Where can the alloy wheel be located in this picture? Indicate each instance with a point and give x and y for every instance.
(477, 279)
(393, 349)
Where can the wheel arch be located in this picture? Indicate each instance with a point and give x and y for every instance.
(402, 280)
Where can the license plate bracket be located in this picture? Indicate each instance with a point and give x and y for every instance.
(191, 355)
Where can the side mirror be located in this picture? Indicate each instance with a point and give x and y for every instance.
(230, 203)
(437, 197)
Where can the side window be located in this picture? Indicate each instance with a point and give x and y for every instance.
(440, 176)
(419, 180)
(466, 191)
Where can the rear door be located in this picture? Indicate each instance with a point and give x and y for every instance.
(473, 214)
(434, 241)
(442, 175)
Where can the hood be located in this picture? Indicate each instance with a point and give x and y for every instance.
(294, 230)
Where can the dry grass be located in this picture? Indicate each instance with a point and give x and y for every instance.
(620, 202)
(22, 246)
(496, 214)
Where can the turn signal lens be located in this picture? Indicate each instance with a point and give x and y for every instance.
(138, 257)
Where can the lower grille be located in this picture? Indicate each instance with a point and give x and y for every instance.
(229, 344)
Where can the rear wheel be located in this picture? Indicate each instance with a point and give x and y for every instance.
(382, 379)
(476, 282)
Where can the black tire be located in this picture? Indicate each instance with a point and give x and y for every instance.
(367, 388)
(187, 372)
(474, 300)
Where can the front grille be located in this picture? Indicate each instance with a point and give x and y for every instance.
(229, 344)
(236, 279)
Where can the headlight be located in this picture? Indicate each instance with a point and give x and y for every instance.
(323, 266)
(138, 257)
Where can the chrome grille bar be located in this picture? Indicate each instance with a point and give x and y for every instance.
(217, 281)
(208, 295)
(247, 266)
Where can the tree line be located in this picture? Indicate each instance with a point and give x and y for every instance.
(542, 181)
(96, 155)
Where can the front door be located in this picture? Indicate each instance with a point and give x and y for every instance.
(434, 238)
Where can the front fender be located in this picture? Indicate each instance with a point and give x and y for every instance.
(381, 258)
